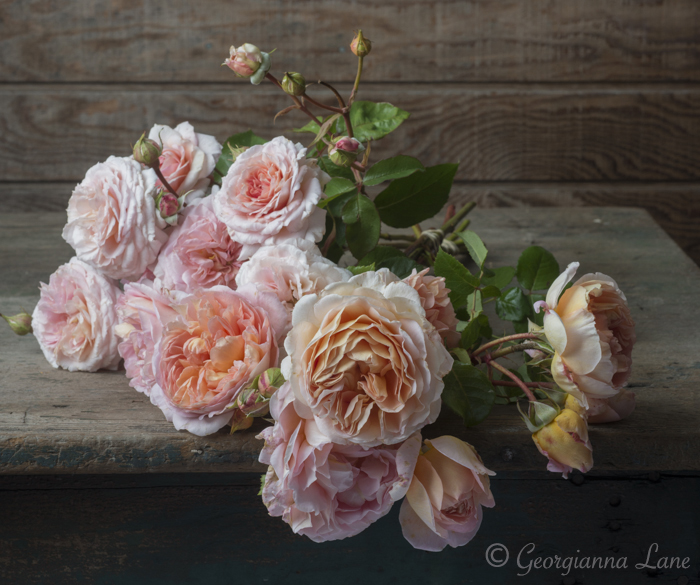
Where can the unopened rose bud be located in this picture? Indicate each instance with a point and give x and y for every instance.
(251, 403)
(168, 204)
(294, 83)
(239, 421)
(248, 61)
(147, 152)
(360, 45)
(21, 323)
(345, 151)
(269, 382)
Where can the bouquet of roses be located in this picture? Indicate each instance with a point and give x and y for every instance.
(255, 279)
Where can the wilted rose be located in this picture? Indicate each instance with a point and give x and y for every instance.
(364, 362)
(75, 318)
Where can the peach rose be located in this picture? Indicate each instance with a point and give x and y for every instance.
(269, 196)
(592, 333)
(290, 271)
(199, 252)
(324, 490)
(564, 441)
(443, 503)
(218, 343)
(75, 318)
(188, 158)
(364, 362)
(436, 302)
(604, 410)
(113, 224)
(140, 310)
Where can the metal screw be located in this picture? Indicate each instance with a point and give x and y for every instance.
(615, 501)
(614, 526)
(508, 454)
(577, 478)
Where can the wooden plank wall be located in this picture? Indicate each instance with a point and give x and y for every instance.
(544, 102)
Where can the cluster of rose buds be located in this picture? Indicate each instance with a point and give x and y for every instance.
(254, 401)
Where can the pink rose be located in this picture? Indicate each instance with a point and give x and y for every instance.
(592, 333)
(199, 253)
(75, 318)
(443, 503)
(187, 159)
(324, 490)
(140, 310)
(244, 60)
(364, 362)
(604, 410)
(436, 302)
(218, 343)
(113, 224)
(269, 196)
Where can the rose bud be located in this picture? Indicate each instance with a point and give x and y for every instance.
(248, 61)
(294, 83)
(360, 45)
(345, 151)
(269, 382)
(611, 409)
(565, 440)
(592, 333)
(168, 204)
(443, 504)
(239, 421)
(251, 403)
(21, 323)
(147, 152)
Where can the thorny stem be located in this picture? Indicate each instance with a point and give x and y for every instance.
(513, 349)
(341, 102)
(323, 106)
(502, 340)
(518, 381)
(460, 228)
(165, 183)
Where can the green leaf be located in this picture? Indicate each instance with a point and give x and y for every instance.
(537, 318)
(392, 168)
(372, 121)
(325, 128)
(474, 304)
(360, 269)
(513, 305)
(475, 246)
(537, 268)
(413, 199)
(469, 393)
(379, 254)
(501, 277)
(391, 258)
(475, 330)
(458, 279)
(334, 189)
(362, 225)
(311, 127)
(334, 170)
(236, 141)
(489, 292)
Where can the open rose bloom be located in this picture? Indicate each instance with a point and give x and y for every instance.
(75, 318)
(269, 196)
(324, 490)
(592, 333)
(218, 342)
(364, 362)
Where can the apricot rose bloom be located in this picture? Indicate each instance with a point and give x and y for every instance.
(324, 490)
(364, 362)
(219, 341)
(75, 318)
(564, 441)
(443, 504)
(199, 253)
(436, 302)
(113, 224)
(269, 196)
(592, 333)
(613, 409)
(187, 159)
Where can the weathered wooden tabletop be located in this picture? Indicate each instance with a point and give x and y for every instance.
(54, 421)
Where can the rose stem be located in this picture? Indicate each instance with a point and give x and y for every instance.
(324, 106)
(404, 237)
(513, 349)
(450, 224)
(504, 340)
(528, 384)
(460, 228)
(515, 379)
(357, 80)
(163, 181)
(335, 91)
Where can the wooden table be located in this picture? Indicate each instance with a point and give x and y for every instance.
(96, 487)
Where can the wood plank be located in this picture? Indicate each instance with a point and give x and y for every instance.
(674, 206)
(221, 534)
(445, 40)
(55, 421)
(499, 133)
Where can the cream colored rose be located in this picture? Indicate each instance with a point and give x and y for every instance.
(113, 224)
(592, 333)
(364, 362)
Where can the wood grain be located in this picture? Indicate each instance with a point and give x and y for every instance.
(53, 421)
(446, 40)
(499, 133)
